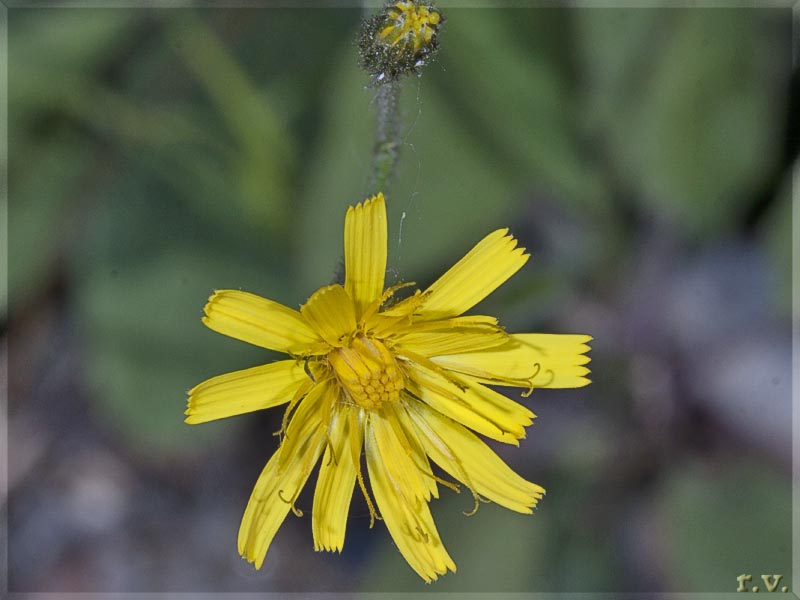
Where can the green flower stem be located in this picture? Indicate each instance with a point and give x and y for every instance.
(387, 136)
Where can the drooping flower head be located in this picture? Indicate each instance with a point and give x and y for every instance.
(403, 384)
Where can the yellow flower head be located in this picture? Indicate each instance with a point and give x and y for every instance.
(402, 383)
(401, 38)
(410, 25)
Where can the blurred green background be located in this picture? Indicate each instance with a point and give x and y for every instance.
(643, 156)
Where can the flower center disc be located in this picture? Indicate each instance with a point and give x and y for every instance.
(368, 372)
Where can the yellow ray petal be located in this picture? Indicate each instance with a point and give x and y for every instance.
(337, 478)
(411, 527)
(544, 360)
(484, 268)
(464, 456)
(417, 451)
(436, 343)
(330, 312)
(312, 414)
(274, 495)
(397, 455)
(399, 320)
(245, 391)
(261, 499)
(471, 404)
(258, 321)
(477, 322)
(365, 251)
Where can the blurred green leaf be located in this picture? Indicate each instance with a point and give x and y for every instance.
(69, 44)
(779, 239)
(143, 276)
(610, 42)
(515, 101)
(263, 167)
(50, 54)
(37, 211)
(76, 39)
(724, 520)
(686, 99)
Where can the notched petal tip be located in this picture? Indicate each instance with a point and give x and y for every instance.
(328, 548)
(215, 296)
(489, 263)
(377, 198)
(256, 561)
(365, 240)
(366, 204)
(195, 417)
(259, 321)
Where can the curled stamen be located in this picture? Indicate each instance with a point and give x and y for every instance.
(307, 369)
(373, 515)
(299, 395)
(416, 534)
(448, 484)
(332, 455)
(492, 379)
(462, 472)
(286, 414)
(296, 511)
(406, 355)
(537, 369)
(455, 398)
(549, 381)
(529, 391)
(478, 501)
(355, 451)
(423, 534)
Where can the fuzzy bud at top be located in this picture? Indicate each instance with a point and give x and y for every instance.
(400, 39)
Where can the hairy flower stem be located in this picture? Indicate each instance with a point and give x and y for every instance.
(387, 136)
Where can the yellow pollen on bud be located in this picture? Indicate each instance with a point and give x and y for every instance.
(368, 372)
(410, 24)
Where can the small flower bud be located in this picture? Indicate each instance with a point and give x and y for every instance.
(400, 39)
